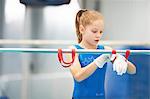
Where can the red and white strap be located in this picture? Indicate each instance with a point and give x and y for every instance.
(61, 60)
(127, 54)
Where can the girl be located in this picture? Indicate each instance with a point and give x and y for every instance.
(88, 70)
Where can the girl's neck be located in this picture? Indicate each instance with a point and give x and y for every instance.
(86, 45)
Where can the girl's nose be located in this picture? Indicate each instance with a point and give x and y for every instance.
(98, 35)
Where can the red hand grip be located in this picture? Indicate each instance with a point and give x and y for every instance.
(127, 54)
(61, 60)
(114, 52)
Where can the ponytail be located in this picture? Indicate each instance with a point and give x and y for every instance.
(77, 24)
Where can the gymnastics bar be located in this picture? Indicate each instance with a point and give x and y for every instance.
(42, 50)
(67, 42)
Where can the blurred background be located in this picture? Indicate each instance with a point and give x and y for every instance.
(34, 23)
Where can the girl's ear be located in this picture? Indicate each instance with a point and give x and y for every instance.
(81, 29)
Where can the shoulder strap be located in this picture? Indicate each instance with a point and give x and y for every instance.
(100, 47)
(78, 46)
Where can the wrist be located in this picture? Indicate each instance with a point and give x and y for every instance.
(101, 60)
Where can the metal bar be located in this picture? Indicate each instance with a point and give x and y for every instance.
(41, 76)
(66, 42)
(41, 50)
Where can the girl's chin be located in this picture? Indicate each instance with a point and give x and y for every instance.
(94, 44)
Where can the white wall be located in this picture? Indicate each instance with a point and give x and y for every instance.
(52, 23)
(126, 19)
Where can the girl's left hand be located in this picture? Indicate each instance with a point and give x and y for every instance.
(120, 64)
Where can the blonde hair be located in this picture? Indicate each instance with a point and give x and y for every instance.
(85, 17)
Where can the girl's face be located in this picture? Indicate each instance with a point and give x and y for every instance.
(92, 33)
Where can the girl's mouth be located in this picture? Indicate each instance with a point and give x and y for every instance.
(97, 40)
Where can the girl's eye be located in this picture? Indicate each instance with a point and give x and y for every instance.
(101, 32)
(94, 31)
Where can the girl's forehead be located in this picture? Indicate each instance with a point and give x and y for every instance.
(98, 23)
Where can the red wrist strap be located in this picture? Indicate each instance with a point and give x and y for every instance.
(114, 52)
(61, 60)
(127, 54)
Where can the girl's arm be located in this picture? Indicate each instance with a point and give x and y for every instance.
(131, 69)
(80, 73)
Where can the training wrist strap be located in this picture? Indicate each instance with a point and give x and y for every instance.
(61, 60)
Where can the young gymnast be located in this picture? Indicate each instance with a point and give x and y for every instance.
(88, 70)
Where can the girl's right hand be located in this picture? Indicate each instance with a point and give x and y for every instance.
(102, 59)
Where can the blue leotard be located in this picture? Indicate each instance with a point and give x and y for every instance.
(93, 86)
